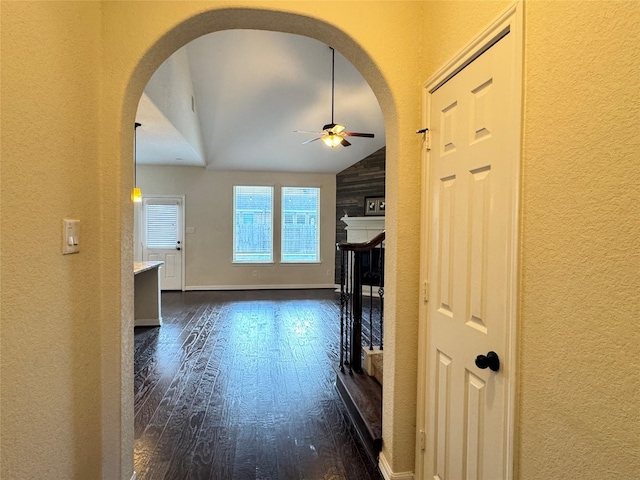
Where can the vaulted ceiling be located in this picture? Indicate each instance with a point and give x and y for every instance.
(231, 100)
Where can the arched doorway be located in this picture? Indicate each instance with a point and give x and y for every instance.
(193, 27)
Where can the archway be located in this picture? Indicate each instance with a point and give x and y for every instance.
(195, 26)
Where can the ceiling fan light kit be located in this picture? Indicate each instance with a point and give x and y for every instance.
(334, 134)
(332, 140)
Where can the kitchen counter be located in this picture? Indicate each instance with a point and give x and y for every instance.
(147, 309)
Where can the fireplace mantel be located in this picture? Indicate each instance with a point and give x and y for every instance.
(362, 229)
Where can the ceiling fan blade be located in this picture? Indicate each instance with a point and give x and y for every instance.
(312, 140)
(307, 131)
(355, 134)
(344, 142)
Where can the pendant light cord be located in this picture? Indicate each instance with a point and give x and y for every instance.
(135, 153)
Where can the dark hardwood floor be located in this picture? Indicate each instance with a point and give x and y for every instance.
(240, 385)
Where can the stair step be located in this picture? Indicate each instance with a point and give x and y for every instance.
(362, 395)
(373, 362)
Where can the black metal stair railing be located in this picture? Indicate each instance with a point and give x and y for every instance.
(361, 264)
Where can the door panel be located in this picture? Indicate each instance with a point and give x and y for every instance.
(471, 177)
(446, 251)
(478, 242)
(472, 452)
(162, 237)
(442, 397)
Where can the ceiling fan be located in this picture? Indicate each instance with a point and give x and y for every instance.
(333, 134)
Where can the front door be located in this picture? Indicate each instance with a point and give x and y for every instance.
(162, 237)
(471, 177)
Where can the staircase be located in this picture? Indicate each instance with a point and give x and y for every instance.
(362, 395)
(359, 375)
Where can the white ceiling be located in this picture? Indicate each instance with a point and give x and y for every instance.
(252, 90)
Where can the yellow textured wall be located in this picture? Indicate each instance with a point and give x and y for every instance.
(382, 39)
(50, 332)
(580, 280)
(578, 410)
(449, 25)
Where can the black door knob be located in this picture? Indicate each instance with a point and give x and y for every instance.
(489, 360)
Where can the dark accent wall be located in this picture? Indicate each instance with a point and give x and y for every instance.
(363, 179)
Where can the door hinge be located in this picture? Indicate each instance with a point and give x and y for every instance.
(422, 440)
(425, 292)
(427, 138)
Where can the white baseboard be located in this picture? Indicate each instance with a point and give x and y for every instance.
(134, 476)
(366, 291)
(259, 287)
(388, 474)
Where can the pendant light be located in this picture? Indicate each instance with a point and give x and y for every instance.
(136, 194)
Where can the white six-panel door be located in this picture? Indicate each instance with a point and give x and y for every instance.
(471, 177)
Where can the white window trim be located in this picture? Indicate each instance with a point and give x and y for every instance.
(271, 261)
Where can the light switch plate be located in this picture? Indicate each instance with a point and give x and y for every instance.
(70, 236)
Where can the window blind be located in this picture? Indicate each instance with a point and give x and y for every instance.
(300, 224)
(162, 226)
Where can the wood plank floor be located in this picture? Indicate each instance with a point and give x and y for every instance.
(240, 385)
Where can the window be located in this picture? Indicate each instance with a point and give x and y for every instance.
(162, 225)
(252, 224)
(300, 224)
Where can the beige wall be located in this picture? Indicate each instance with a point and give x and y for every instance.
(50, 303)
(72, 74)
(580, 280)
(209, 209)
